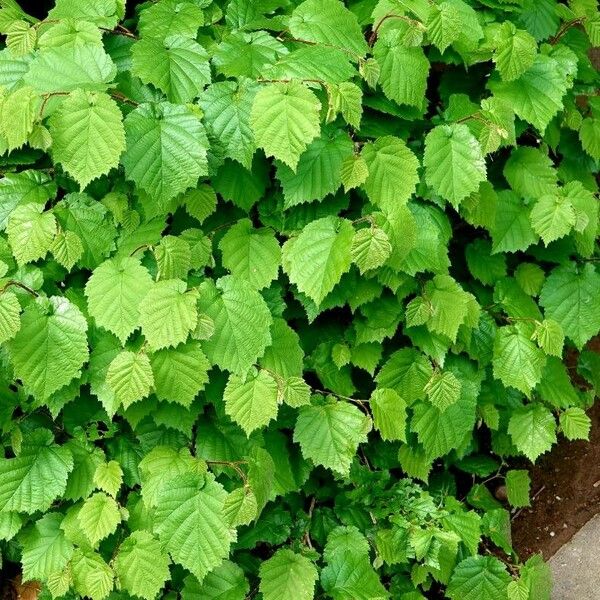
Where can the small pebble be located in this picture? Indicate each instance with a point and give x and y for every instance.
(552, 534)
(597, 483)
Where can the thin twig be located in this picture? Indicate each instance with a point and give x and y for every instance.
(566, 26)
(281, 37)
(319, 81)
(234, 464)
(411, 22)
(47, 97)
(118, 96)
(142, 247)
(20, 285)
(120, 30)
(532, 499)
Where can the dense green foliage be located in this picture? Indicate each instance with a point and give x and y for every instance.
(287, 288)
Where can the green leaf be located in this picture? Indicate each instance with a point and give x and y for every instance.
(389, 414)
(517, 487)
(170, 17)
(479, 578)
(449, 305)
(70, 32)
(354, 172)
(67, 249)
(92, 577)
(227, 107)
(45, 548)
(530, 173)
(454, 164)
(485, 266)
(247, 54)
(552, 217)
(10, 311)
(284, 357)
(251, 254)
(328, 22)
(129, 377)
(33, 480)
(296, 392)
(285, 119)
(511, 231)
(392, 169)
(316, 260)
(103, 13)
(515, 51)
(225, 582)
(168, 313)
(407, 372)
(71, 67)
(190, 522)
(441, 432)
(404, 71)
(200, 202)
(115, 292)
(287, 575)
(443, 25)
(569, 296)
(370, 248)
(518, 362)
(575, 424)
(88, 135)
(109, 477)
(345, 98)
(10, 524)
(443, 390)
(21, 38)
(88, 219)
(98, 517)
(251, 402)
(178, 66)
(324, 63)
(550, 337)
(141, 566)
(166, 149)
(329, 434)
(533, 430)
(50, 347)
(26, 187)
(85, 460)
(240, 507)
(242, 323)
(173, 258)
(18, 113)
(180, 373)
(536, 96)
(589, 134)
(30, 232)
(349, 573)
(319, 169)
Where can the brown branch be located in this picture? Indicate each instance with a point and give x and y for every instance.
(234, 464)
(565, 27)
(408, 20)
(20, 285)
(281, 38)
(319, 81)
(142, 247)
(121, 97)
(47, 97)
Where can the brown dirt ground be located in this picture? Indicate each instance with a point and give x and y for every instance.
(565, 488)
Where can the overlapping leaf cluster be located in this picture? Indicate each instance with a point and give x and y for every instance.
(276, 274)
